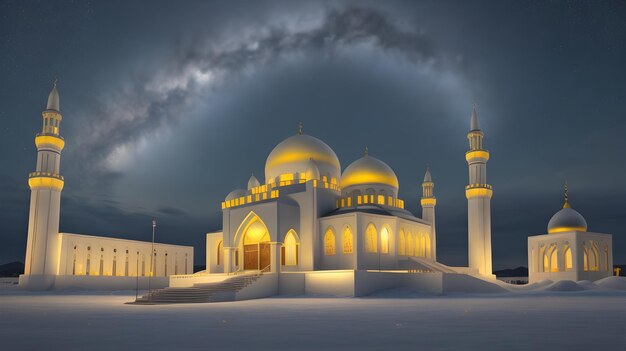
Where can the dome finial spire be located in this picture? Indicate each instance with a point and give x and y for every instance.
(300, 126)
(366, 151)
(566, 195)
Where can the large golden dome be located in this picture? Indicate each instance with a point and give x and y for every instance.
(292, 155)
(369, 170)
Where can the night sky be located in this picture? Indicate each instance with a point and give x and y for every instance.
(168, 106)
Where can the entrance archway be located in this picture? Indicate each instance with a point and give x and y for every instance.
(256, 246)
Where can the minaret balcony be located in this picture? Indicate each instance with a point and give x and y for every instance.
(478, 190)
(46, 180)
(477, 154)
(428, 201)
(49, 140)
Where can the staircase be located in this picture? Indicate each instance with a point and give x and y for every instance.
(205, 292)
(431, 265)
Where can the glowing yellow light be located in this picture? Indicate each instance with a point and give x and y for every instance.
(46, 182)
(285, 177)
(49, 140)
(356, 178)
(566, 229)
(381, 199)
(478, 192)
(430, 201)
(484, 154)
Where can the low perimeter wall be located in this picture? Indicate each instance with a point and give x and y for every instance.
(73, 282)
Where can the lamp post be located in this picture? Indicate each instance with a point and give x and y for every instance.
(151, 259)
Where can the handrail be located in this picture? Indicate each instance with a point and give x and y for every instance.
(266, 269)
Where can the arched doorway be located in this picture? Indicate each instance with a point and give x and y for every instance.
(256, 246)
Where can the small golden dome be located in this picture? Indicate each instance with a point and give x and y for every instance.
(369, 170)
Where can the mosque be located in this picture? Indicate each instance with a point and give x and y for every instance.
(65, 260)
(308, 228)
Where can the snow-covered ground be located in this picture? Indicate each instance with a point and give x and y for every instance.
(531, 319)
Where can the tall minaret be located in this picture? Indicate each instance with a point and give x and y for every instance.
(428, 203)
(478, 194)
(43, 247)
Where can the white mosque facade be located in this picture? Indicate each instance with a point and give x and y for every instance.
(64, 260)
(308, 228)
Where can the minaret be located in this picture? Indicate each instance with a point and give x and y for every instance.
(43, 247)
(478, 194)
(428, 203)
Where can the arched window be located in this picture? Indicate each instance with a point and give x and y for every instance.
(219, 253)
(541, 264)
(606, 258)
(371, 238)
(101, 264)
(423, 245)
(427, 245)
(165, 261)
(409, 244)
(88, 265)
(401, 243)
(74, 264)
(143, 265)
(585, 258)
(546, 263)
(594, 257)
(384, 240)
(186, 263)
(290, 249)
(567, 258)
(554, 262)
(126, 265)
(114, 270)
(329, 242)
(347, 241)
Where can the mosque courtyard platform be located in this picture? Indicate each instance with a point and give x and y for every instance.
(403, 320)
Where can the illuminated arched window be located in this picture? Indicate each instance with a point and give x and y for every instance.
(594, 257)
(427, 245)
(384, 240)
(371, 240)
(290, 249)
(410, 244)
(101, 269)
(114, 270)
(348, 241)
(546, 263)
(401, 243)
(88, 265)
(423, 245)
(567, 258)
(554, 264)
(126, 265)
(585, 258)
(219, 253)
(329, 242)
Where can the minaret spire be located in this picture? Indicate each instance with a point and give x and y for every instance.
(474, 119)
(300, 126)
(478, 193)
(46, 184)
(428, 203)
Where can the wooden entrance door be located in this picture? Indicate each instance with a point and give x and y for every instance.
(265, 255)
(251, 256)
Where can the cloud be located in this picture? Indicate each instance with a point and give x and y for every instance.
(143, 109)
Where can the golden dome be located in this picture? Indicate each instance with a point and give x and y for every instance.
(293, 155)
(369, 170)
